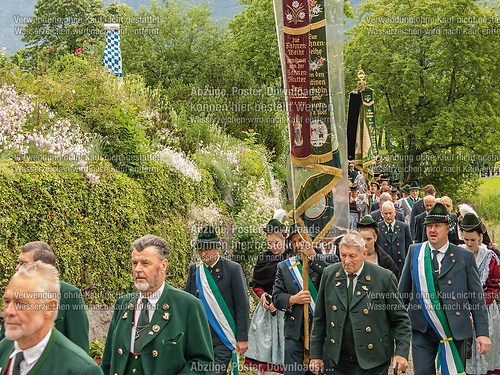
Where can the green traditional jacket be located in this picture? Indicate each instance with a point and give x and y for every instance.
(60, 356)
(178, 341)
(381, 325)
(72, 320)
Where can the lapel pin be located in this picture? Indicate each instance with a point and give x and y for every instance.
(125, 315)
(130, 306)
(337, 274)
(150, 333)
(358, 293)
(166, 316)
(368, 278)
(156, 328)
(338, 283)
(364, 287)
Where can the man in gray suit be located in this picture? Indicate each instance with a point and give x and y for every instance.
(440, 285)
(288, 297)
(230, 281)
(394, 237)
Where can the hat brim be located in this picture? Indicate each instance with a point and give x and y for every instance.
(435, 220)
(208, 244)
(469, 228)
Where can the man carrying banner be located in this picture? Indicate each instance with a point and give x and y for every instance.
(289, 296)
(440, 285)
(220, 285)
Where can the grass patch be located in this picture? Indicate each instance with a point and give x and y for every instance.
(486, 201)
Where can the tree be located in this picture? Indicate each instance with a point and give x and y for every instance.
(433, 66)
(63, 25)
(252, 41)
(174, 41)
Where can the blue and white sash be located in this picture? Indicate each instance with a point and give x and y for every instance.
(448, 360)
(218, 314)
(295, 268)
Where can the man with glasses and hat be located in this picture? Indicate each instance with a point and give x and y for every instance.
(440, 284)
(220, 284)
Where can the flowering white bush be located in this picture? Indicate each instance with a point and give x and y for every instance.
(216, 150)
(58, 138)
(179, 162)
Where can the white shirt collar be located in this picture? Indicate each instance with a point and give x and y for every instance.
(213, 265)
(442, 249)
(391, 226)
(32, 354)
(358, 272)
(154, 297)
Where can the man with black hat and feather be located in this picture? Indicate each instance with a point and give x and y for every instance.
(441, 287)
(221, 286)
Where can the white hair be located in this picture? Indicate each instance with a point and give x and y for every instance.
(385, 197)
(46, 279)
(388, 204)
(353, 239)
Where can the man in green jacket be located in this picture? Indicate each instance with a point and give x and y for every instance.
(32, 344)
(159, 329)
(360, 314)
(72, 320)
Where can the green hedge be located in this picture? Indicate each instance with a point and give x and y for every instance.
(91, 227)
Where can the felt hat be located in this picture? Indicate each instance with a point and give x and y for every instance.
(373, 182)
(438, 214)
(470, 222)
(275, 226)
(406, 189)
(354, 187)
(208, 239)
(367, 222)
(414, 185)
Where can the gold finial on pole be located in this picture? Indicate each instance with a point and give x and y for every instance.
(361, 78)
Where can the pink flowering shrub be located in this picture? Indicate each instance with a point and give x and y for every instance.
(26, 127)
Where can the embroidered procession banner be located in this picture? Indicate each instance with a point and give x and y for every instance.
(361, 130)
(310, 44)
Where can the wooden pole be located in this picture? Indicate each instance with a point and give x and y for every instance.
(305, 278)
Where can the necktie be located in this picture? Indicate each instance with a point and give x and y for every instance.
(391, 232)
(435, 268)
(350, 288)
(142, 325)
(16, 370)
